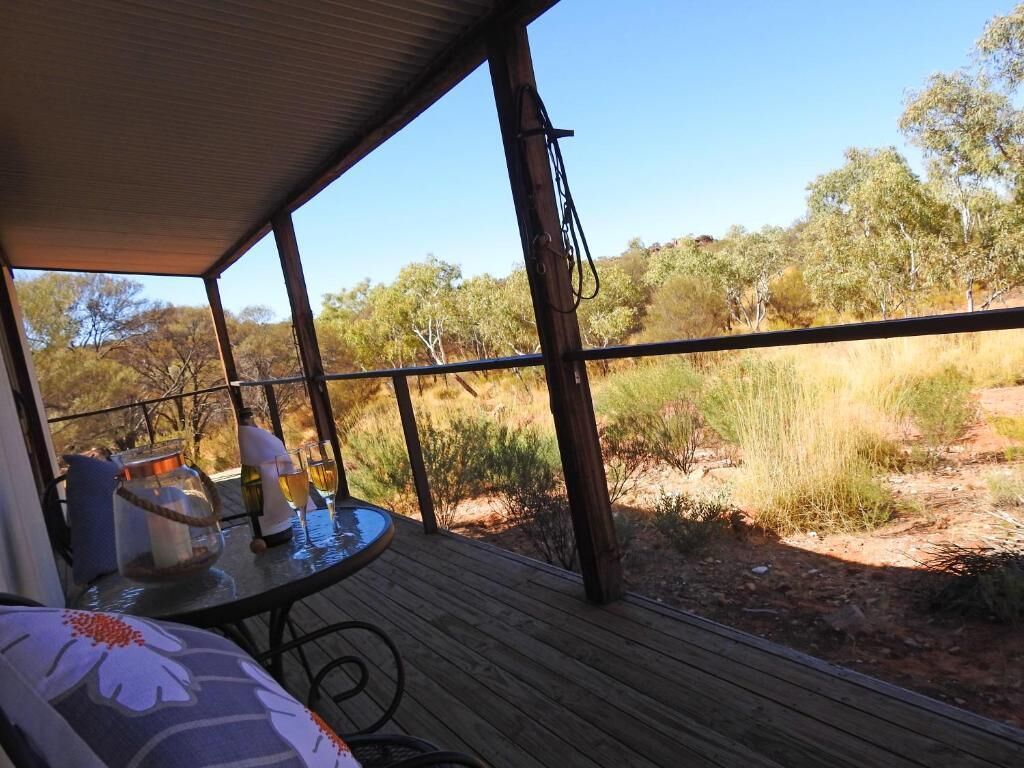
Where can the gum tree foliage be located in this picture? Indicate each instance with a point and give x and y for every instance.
(871, 232)
(81, 310)
(355, 315)
(498, 316)
(73, 322)
(615, 313)
(973, 136)
(741, 267)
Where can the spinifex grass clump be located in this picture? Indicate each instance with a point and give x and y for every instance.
(807, 457)
(1006, 487)
(988, 582)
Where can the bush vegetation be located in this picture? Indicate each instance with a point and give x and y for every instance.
(692, 524)
(651, 417)
(987, 582)
(378, 464)
(940, 405)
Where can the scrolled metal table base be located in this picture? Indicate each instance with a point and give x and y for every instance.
(273, 658)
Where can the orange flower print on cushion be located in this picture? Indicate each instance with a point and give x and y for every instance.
(313, 740)
(124, 659)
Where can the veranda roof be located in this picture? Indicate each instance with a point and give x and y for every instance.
(159, 136)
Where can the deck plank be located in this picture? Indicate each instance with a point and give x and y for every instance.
(504, 659)
(949, 740)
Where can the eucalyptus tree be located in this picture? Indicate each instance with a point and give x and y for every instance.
(615, 312)
(969, 128)
(872, 232)
(741, 267)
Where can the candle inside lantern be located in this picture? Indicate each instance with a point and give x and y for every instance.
(170, 540)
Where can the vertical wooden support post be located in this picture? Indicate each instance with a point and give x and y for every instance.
(274, 411)
(412, 445)
(305, 334)
(546, 266)
(14, 353)
(227, 357)
(148, 418)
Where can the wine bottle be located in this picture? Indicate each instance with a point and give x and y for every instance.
(252, 495)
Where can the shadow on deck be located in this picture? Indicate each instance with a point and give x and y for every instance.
(504, 659)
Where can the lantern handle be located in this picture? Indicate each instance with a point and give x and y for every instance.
(174, 515)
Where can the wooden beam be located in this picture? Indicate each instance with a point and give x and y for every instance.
(444, 73)
(305, 333)
(16, 356)
(546, 266)
(227, 356)
(273, 411)
(415, 450)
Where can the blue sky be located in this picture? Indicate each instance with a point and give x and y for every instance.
(689, 117)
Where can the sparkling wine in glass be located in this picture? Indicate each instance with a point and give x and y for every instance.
(323, 471)
(294, 483)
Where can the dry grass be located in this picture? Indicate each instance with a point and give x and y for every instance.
(807, 451)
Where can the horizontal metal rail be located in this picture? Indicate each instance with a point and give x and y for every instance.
(491, 364)
(264, 382)
(136, 404)
(937, 325)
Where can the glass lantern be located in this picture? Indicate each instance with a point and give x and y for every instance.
(164, 522)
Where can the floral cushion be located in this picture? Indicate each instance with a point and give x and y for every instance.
(100, 689)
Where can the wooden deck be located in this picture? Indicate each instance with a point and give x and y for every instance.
(504, 659)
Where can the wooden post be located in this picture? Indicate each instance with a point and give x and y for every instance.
(273, 410)
(227, 357)
(148, 418)
(546, 266)
(305, 334)
(15, 355)
(412, 445)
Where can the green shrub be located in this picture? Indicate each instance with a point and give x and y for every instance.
(692, 524)
(686, 307)
(524, 473)
(521, 457)
(940, 405)
(652, 418)
(986, 582)
(543, 515)
(625, 531)
(378, 466)
(628, 458)
(457, 455)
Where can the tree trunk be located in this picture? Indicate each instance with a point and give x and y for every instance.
(970, 297)
(465, 385)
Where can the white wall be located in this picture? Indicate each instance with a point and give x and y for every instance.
(26, 559)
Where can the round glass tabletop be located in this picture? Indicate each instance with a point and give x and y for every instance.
(242, 584)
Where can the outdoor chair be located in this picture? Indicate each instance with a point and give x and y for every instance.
(371, 750)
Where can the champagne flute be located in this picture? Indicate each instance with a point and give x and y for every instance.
(323, 471)
(294, 483)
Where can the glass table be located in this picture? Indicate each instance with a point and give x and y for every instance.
(242, 584)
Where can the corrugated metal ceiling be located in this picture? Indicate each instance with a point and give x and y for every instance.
(152, 136)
